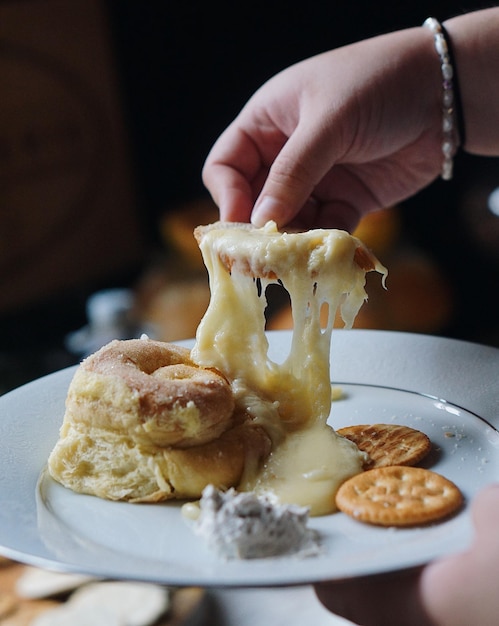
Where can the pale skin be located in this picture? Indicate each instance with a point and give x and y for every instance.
(354, 129)
(323, 143)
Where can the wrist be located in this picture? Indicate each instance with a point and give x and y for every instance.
(452, 129)
(476, 52)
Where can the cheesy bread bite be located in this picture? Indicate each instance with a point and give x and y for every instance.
(291, 399)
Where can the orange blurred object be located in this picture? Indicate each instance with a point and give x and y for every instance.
(177, 227)
(379, 230)
(419, 297)
(173, 295)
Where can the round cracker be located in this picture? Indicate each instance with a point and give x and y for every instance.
(398, 496)
(388, 444)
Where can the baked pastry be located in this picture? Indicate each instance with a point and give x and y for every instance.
(144, 423)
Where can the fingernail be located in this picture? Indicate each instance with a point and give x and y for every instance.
(265, 209)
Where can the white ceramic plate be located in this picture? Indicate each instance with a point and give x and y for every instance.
(449, 389)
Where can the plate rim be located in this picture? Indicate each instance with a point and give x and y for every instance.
(425, 345)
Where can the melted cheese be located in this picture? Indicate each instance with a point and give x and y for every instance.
(308, 467)
(292, 399)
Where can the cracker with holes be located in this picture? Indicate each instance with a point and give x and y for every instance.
(388, 444)
(398, 496)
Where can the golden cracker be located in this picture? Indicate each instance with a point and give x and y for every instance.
(398, 496)
(388, 444)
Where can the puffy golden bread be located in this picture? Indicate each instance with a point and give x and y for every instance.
(151, 390)
(144, 423)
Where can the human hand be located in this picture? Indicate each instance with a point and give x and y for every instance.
(462, 589)
(385, 600)
(454, 591)
(334, 137)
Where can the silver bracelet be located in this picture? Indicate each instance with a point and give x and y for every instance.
(450, 141)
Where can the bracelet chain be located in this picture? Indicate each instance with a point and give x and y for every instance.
(450, 141)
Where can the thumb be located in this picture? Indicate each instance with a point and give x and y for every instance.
(294, 174)
(485, 512)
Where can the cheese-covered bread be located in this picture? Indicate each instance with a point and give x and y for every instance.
(323, 270)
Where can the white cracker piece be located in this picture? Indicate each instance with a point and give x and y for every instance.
(67, 615)
(135, 604)
(36, 583)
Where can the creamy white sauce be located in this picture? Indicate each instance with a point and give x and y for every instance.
(291, 399)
